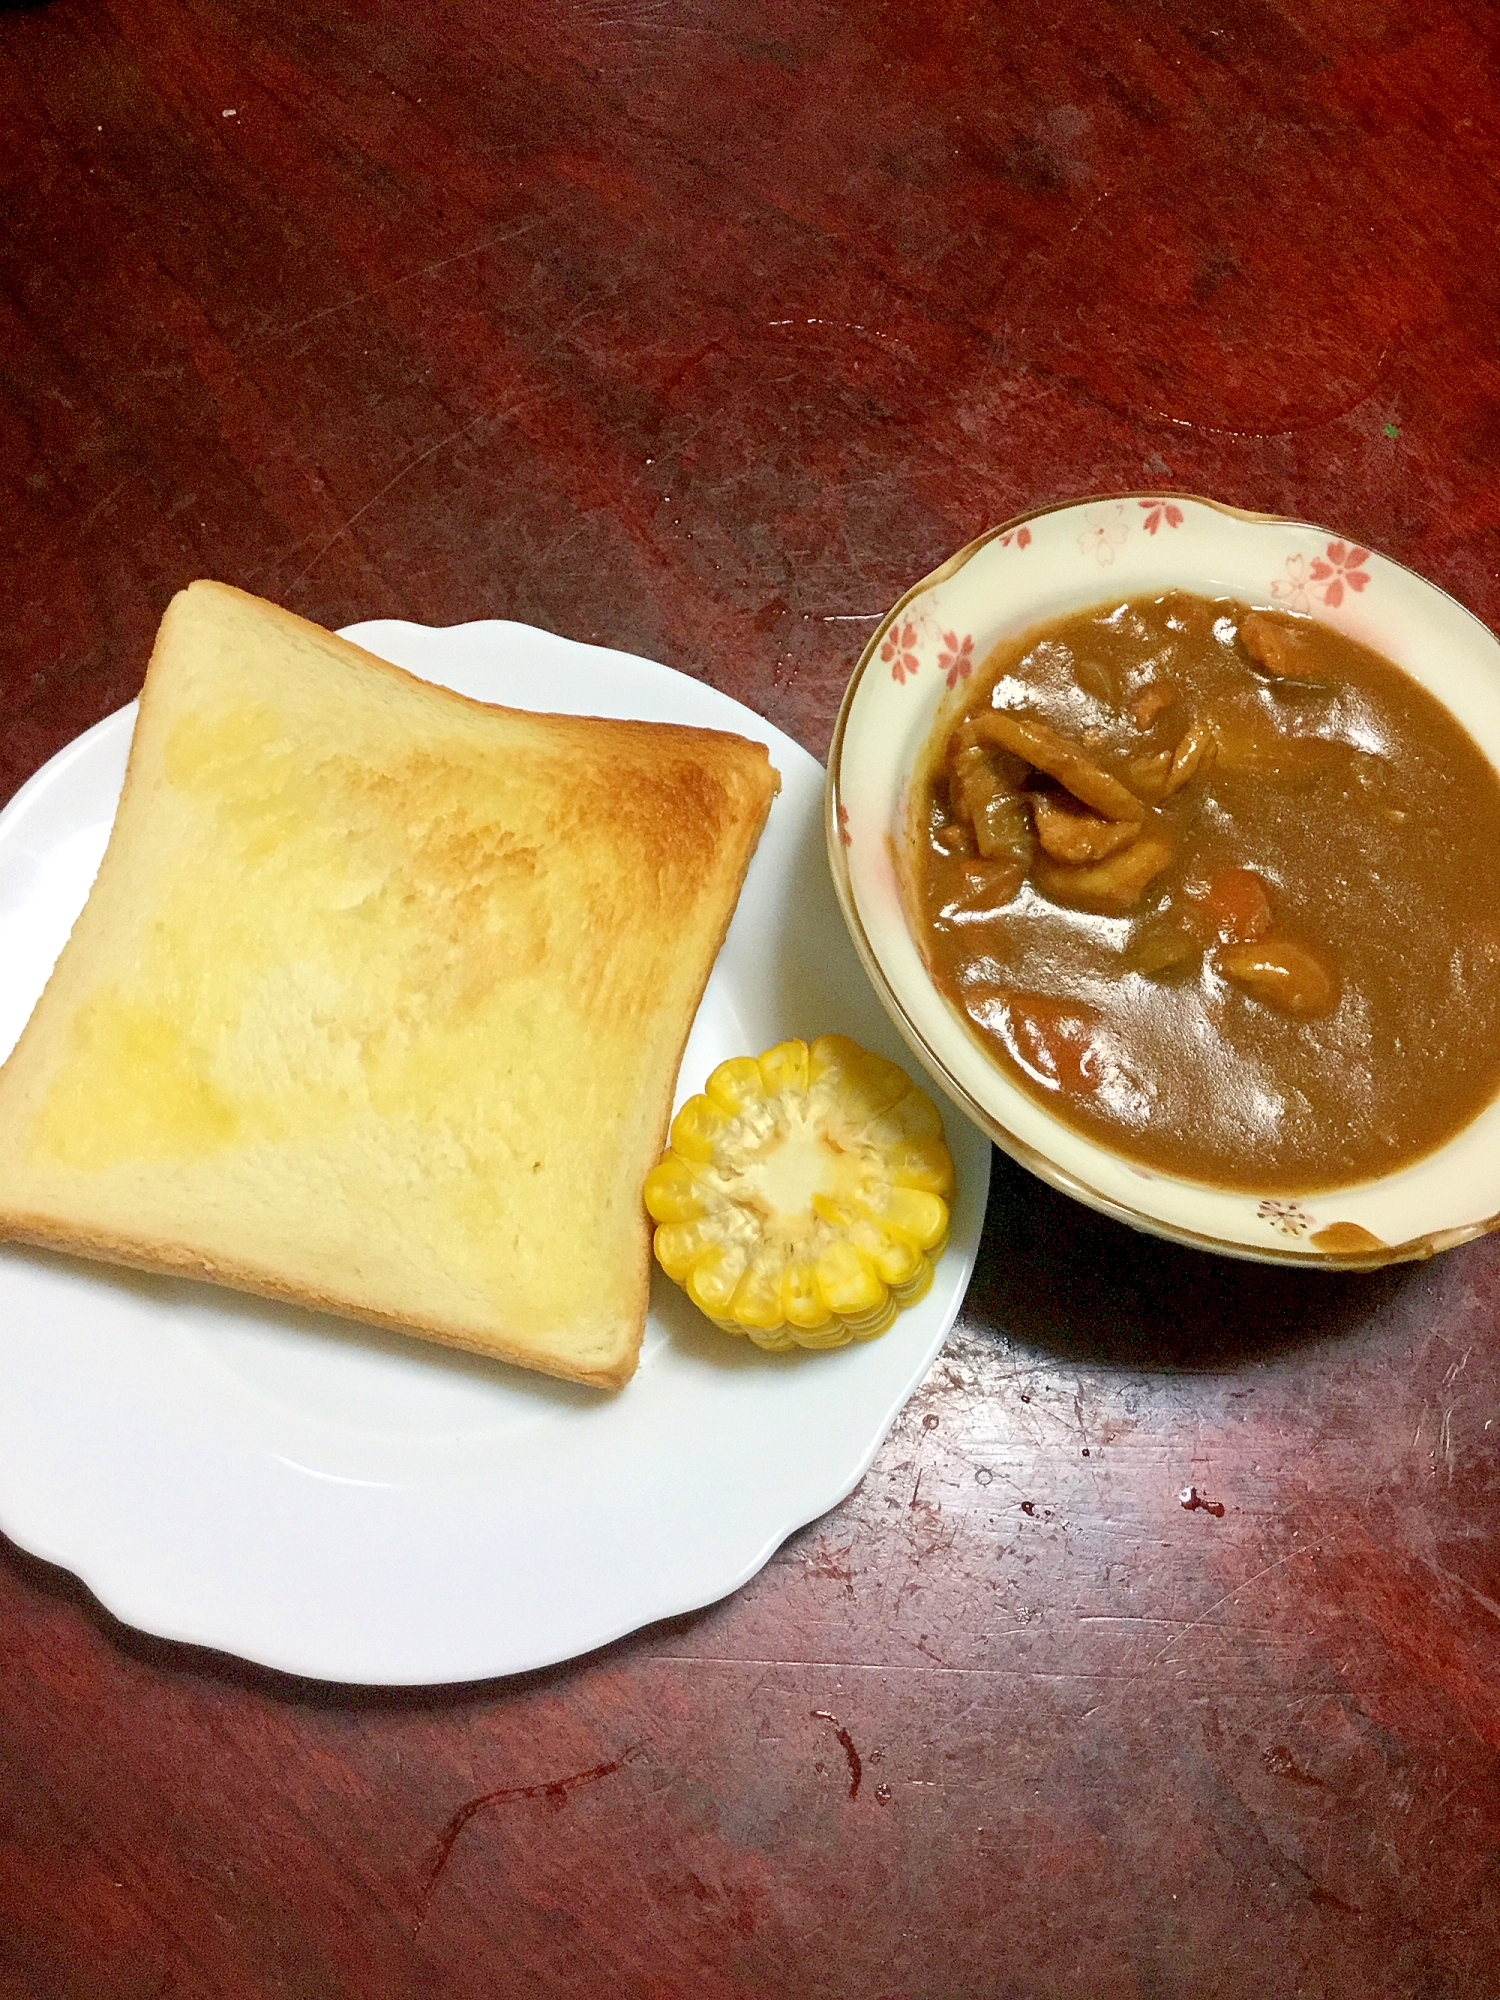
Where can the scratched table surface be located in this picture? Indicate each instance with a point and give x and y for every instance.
(1159, 1652)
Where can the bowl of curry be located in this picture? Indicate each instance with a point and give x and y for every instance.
(1170, 838)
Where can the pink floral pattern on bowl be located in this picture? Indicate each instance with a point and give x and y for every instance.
(911, 641)
(1326, 578)
(1108, 528)
(1104, 532)
(957, 658)
(900, 651)
(1157, 511)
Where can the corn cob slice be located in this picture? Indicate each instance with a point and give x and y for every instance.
(802, 1198)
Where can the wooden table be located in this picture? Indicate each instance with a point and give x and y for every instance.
(703, 328)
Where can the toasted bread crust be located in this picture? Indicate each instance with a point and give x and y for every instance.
(180, 1260)
(401, 1042)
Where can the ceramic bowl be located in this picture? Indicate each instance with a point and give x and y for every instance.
(1066, 558)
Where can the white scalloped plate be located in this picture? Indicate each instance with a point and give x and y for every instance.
(357, 1506)
(1041, 566)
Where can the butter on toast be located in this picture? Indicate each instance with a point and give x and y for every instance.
(378, 1000)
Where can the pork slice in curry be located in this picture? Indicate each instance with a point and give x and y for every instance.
(1220, 887)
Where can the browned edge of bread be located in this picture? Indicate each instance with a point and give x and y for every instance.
(176, 1261)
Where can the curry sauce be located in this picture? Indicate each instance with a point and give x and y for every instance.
(1219, 887)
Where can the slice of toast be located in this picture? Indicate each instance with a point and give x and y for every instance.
(378, 1000)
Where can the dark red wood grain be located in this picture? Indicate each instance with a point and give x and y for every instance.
(703, 328)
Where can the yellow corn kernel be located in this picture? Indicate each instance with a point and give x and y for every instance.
(921, 1218)
(849, 1282)
(917, 1287)
(756, 1304)
(671, 1192)
(834, 1333)
(801, 1300)
(883, 1088)
(801, 1200)
(784, 1067)
(695, 1129)
(867, 1325)
(921, 1163)
(679, 1245)
(897, 1261)
(735, 1084)
(832, 1056)
(714, 1277)
(914, 1116)
(864, 1080)
(776, 1340)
